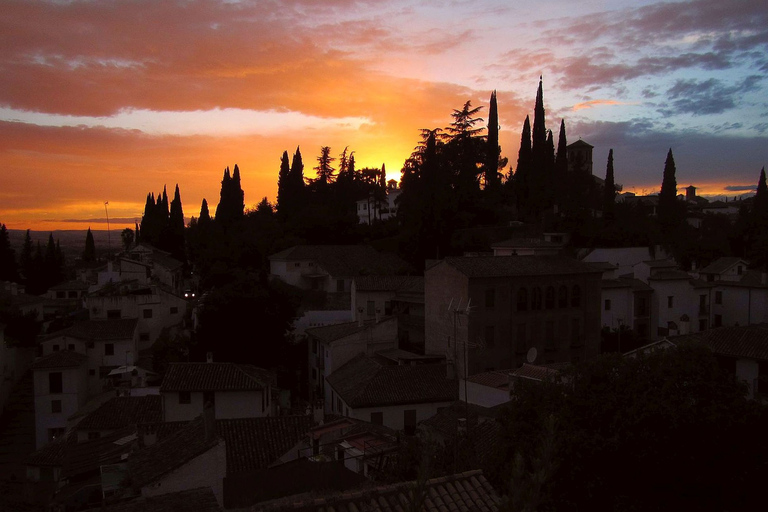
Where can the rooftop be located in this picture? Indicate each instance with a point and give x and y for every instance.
(386, 283)
(333, 332)
(201, 499)
(123, 411)
(345, 260)
(748, 342)
(365, 381)
(464, 492)
(535, 372)
(215, 377)
(60, 359)
(99, 330)
(720, 265)
(508, 266)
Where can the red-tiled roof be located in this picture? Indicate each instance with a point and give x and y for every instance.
(507, 266)
(364, 381)
(333, 332)
(60, 359)
(52, 454)
(215, 377)
(100, 330)
(464, 492)
(493, 379)
(534, 372)
(87, 457)
(749, 341)
(720, 265)
(123, 411)
(669, 275)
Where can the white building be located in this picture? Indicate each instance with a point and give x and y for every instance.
(371, 209)
(61, 388)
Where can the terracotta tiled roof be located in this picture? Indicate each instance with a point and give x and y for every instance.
(199, 500)
(749, 341)
(70, 285)
(526, 242)
(215, 377)
(385, 283)
(100, 330)
(364, 381)
(534, 372)
(464, 492)
(52, 454)
(345, 260)
(151, 463)
(60, 359)
(720, 265)
(333, 332)
(122, 411)
(445, 422)
(493, 379)
(507, 266)
(86, 458)
(669, 275)
(251, 443)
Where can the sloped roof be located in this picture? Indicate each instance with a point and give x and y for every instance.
(579, 144)
(166, 261)
(493, 379)
(60, 359)
(53, 453)
(508, 266)
(669, 275)
(364, 381)
(345, 260)
(333, 332)
(87, 457)
(181, 446)
(463, 492)
(720, 265)
(251, 443)
(749, 341)
(527, 242)
(445, 422)
(123, 411)
(100, 330)
(70, 285)
(201, 499)
(534, 372)
(385, 283)
(215, 377)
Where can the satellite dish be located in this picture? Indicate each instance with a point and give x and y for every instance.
(532, 353)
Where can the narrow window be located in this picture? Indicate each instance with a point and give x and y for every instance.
(55, 406)
(718, 297)
(377, 418)
(576, 296)
(670, 301)
(109, 349)
(370, 308)
(522, 299)
(185, 397)
(55, 383)
(562, 297)
(490, 298)
(607, 304)
(549, 298)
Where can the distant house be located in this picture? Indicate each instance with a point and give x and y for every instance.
(108, 344)
(371, 209)
(551, 244)
(486, 389)
(332, 346)
(624, 302)
(61, 388)
(64, 298)
(491, 311)
(682, 303)
(396, 396)
(461, 492)
(234, 390)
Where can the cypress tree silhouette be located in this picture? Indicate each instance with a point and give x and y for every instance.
(89, 254)
(561, 158)
(27, 256)
(8, 270)
(176, 227)
(283, 187)
(669, 210)
(231, 199)
(609, 191)
(523, 171)
(539, 134)
(493, 151)
(238, 196)
(205, 216)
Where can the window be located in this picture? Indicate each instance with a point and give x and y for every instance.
(718, 297)
(490, 336)
(61, 295)
(55, 348)
(147, 313)
(314, 347)
(739, 270)
(702, 324)
(55, 406)
(71, 346)
(522, 299)
(209, 397)
(109, 349)
(113, 314)
(72, 294)
(562, 297)
(55, 383)
(490, 298)
(670, 301)
(576, 296)
(642, 306)
(263, 400)
(92, 373)
(377, 418)
(536, 298)
(549, 340)
(297, 264)
(370, 308)
(174, 310)
(314, 374)
(185, 397)
(718, 320)
(549, 298)
(607, 304)
(387, 308)
(409, 421)
(339, 285)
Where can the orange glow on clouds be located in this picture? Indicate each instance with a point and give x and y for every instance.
(598, 103)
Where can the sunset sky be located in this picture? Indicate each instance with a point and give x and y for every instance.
(109, 100)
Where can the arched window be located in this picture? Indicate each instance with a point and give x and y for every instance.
(536, 298)
(522, 299)
(576, 296)
(562, 297)
(549, 298)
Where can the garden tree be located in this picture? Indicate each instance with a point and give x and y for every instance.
(89, 254)
(670, 210)
(464, 156)
(127, 236)
(231, 199)
(282, 187)
(609, 191)
(560, 171)
(524, 171)
(605, 418)
(540, 157)
(175, 239)
(8, 270)
(27, 257)
(205, 215)
(265, 207)
(493, 151)
(324, 169)
(137, 232)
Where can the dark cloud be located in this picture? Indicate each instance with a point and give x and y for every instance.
(741, 188)
(102, 220)
(702, 97)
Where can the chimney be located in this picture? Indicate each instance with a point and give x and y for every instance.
(209, 357)
(209, 421)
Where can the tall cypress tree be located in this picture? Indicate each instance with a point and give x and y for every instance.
(223, 208)
(27, 256)
(561, 158)
(8, 270)
(523, 171)
(609, 191)
(89, 254)
(238, 196)
(539, 134)
(176, 227)
(493, 151)
(283, 188)
(668, 210)
(205, 216)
